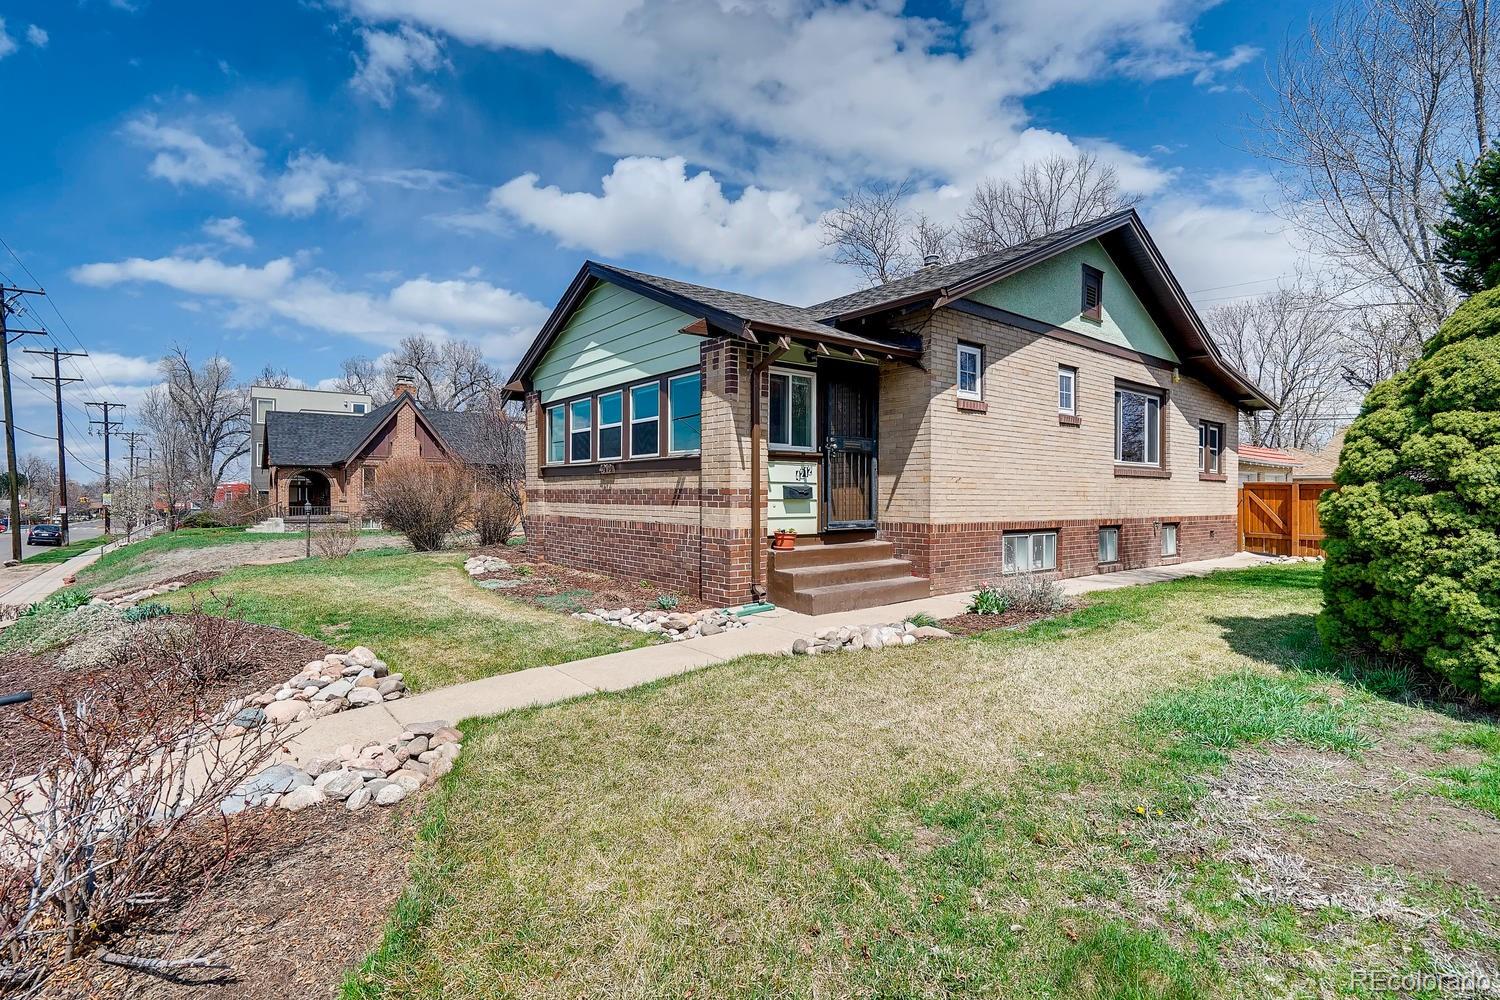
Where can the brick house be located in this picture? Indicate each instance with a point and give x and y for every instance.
(1055, 408)
(324, 464)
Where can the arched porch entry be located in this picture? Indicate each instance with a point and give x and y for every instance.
(309, 489)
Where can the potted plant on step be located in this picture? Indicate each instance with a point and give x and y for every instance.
(784, 538)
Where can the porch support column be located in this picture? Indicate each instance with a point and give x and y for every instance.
(757, 447)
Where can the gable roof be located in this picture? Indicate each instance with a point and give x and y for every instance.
(844, 321)
(332, 439)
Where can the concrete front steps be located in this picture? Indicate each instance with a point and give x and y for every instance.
(819, 578)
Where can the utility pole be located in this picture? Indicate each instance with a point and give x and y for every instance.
(108, 425)
(9, 296)
(58, 381)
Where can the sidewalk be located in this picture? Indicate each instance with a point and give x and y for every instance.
(50, 580)
(771, 632)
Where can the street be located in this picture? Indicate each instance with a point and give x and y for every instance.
(76, 532)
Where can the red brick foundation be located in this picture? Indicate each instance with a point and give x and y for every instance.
(964, 556)
(713, 566)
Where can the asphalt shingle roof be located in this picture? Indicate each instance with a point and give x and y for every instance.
(746, 307)
(324, 439)
(932, 279)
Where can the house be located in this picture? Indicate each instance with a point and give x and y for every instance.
(1054, 408)
(265, 399)
(1320, 465)
(1266, 465)
(227, 493)
(325, 464)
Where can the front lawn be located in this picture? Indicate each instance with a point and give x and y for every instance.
(419, 611)
(126, 560)
(1125, 802)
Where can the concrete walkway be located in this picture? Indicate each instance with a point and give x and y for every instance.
(772, 632)
(51, 579)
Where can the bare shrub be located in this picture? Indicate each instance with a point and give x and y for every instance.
(336, 540)
(495, 517)
(123, 816)
(421, 500)
(1033, 594)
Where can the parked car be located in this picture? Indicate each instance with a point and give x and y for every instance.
(45, 534)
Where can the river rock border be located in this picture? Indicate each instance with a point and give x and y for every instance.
(336, 683)
(376, 773)
(673, 625)
(849, 638)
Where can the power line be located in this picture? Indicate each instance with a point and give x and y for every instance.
(108, 425)
(58, 381)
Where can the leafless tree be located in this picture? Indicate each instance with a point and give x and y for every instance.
(39, 482)
(212, 413)
(1046, 195)
(448, 374)
(422, 500)
(871, 231)
(361, 374)
(277, 378)
(501, 474)
(1379, 341)
(1374, 106)
(1289, 342)
(171, 468)
(932, 240)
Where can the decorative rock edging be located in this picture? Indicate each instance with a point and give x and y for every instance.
(484, 565)
(336, 683)
(135, 597)
(848, 638)
(674, 625)
(379, 773)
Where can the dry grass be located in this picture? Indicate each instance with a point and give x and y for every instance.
(730, 833)
(417, 610)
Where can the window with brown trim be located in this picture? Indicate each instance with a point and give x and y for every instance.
(624, 422)
(645, 420)
(1093, 294)
(611, 420)
(1210, 447)
(1137, 427)
(369, 477)
(581, 429)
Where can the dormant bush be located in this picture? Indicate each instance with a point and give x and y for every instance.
(422, 500)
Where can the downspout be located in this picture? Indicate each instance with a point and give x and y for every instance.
(757, 507)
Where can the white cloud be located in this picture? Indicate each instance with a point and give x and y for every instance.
(495, 316)
(7, 43)
(651, 205)
(391, 57)
(37, 36)
(185, 156)
(203, 276)
(312, 180)
(230, 231)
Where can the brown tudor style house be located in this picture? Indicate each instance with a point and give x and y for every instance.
(324, 464)
(1054, 408)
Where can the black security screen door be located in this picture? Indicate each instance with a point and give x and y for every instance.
(849, 445)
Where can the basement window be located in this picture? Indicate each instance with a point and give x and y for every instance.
(1033, 552)
(1169, 539)
(1109, 545)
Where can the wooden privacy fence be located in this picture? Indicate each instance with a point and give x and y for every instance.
(1281, 519)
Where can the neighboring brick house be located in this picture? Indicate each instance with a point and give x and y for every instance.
(1055, 408)
(324, 464)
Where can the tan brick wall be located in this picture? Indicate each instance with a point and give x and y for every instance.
(1017, 462)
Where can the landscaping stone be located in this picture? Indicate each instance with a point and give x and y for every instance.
(283, 713)
(299, 799)
(482, 565)
(672, 625)
(851, 638)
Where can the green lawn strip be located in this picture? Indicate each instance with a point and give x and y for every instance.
(120, 562)
(1477, 785)
(418, 611)
(65, 552)
(963, 820)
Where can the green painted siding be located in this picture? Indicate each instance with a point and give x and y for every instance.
(614, 337)
(1052, 292)
(798, 515)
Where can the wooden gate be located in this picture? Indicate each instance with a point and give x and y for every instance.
(1281, 519)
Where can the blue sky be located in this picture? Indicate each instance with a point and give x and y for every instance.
(297, 182)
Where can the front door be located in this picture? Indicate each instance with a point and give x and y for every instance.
(849, 445)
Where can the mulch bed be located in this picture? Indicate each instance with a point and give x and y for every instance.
(277, 654)
(305, 904)
(587, 590)
(972, 624)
